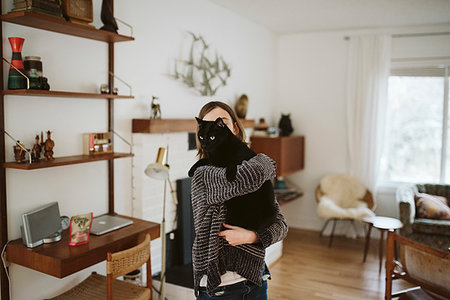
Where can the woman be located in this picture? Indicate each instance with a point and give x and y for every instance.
(229, 264)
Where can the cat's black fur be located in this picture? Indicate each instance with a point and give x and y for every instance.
(223, 149)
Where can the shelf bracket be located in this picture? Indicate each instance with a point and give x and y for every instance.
(126, 24)
(123, 81)
(124, 140)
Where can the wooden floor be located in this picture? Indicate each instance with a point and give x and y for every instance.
(309, 269)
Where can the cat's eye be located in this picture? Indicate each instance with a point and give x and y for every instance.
(212, 138)
(200, 137)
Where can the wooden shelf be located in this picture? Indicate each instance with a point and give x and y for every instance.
(60, 25)
(288, 152)
(64, 161)
(172, 125)
(43, 93)
(60, 260)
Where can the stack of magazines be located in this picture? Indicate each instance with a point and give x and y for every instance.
(50, 7)
(287, 194)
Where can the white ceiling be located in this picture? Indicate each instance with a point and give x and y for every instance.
(288, 16)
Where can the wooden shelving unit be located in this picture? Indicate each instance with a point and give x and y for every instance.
(59, 259)
(173, 125)
(64, 161)
(55, 24)
(62, 94)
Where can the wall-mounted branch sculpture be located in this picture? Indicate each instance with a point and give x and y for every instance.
(201, 72)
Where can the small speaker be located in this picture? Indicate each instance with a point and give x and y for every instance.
(41, 224)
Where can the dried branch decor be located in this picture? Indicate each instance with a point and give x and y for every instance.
(202, 71)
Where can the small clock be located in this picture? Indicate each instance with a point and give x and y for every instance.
(65, 222)
(78, 11)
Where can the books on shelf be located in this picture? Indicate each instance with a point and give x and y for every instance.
(51, 7)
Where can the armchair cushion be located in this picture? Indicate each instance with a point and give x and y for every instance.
(432, 207)
(411, 222)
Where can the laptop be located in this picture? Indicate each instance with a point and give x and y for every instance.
(106, 223)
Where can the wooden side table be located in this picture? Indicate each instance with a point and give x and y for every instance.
(382, 224)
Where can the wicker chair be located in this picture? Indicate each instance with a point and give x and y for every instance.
(118, 264)
(367, 198)
(419, 264)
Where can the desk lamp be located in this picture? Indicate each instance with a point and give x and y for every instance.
(160, 171)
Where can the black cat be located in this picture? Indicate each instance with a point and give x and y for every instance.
(285, 125)
(223, 149)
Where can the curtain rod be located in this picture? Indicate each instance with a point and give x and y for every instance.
(401, 35)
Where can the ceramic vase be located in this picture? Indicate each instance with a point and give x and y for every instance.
(15, 79)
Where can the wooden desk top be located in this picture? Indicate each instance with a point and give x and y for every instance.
(60, 260)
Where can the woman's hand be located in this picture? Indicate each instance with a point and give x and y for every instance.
(236, 235)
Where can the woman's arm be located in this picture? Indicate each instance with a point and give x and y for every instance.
(250, 176)
(274, 232)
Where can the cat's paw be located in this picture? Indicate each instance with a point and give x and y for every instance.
(192, 171)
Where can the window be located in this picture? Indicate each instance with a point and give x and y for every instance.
(416, 147)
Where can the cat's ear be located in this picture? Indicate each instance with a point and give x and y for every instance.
(199, 121)
(219, 122)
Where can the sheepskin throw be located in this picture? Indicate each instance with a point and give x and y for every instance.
(342, 198)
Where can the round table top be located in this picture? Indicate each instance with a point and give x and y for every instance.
(385, 223)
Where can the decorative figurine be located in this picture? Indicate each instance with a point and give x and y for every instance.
(156, 110)
(108, 18)
(36, 150)
(241, 106)
(48, 147)
(285, 125)
(19, 152)
(104, 88)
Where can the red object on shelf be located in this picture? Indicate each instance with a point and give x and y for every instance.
(16, 45)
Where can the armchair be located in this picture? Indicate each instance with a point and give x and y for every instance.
(435, 233)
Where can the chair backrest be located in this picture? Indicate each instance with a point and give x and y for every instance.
(123, 262)
(420, 264)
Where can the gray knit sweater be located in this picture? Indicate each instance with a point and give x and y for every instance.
(211, 254)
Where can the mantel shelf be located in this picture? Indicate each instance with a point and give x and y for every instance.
(60, 25)
(172, 125)
(64, 161)
(62, 94)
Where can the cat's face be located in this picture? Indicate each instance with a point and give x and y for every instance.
(212, 134)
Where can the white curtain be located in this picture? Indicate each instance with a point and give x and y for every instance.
(368, 73)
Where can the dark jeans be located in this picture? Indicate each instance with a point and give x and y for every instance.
(244, 290)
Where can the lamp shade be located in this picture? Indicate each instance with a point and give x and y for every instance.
(158, 170)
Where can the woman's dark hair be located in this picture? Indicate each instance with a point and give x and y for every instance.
(236, 123)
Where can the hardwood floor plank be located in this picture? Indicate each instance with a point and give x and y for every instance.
(309, 269)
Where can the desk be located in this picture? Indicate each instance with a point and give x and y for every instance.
(382, 224)
(60, 260)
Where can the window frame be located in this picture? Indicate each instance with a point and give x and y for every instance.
(411, 67)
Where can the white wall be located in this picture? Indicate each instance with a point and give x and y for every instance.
(311, 86)
(76, 64)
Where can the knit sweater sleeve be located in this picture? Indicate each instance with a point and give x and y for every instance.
(274, 232)
(250, 176)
